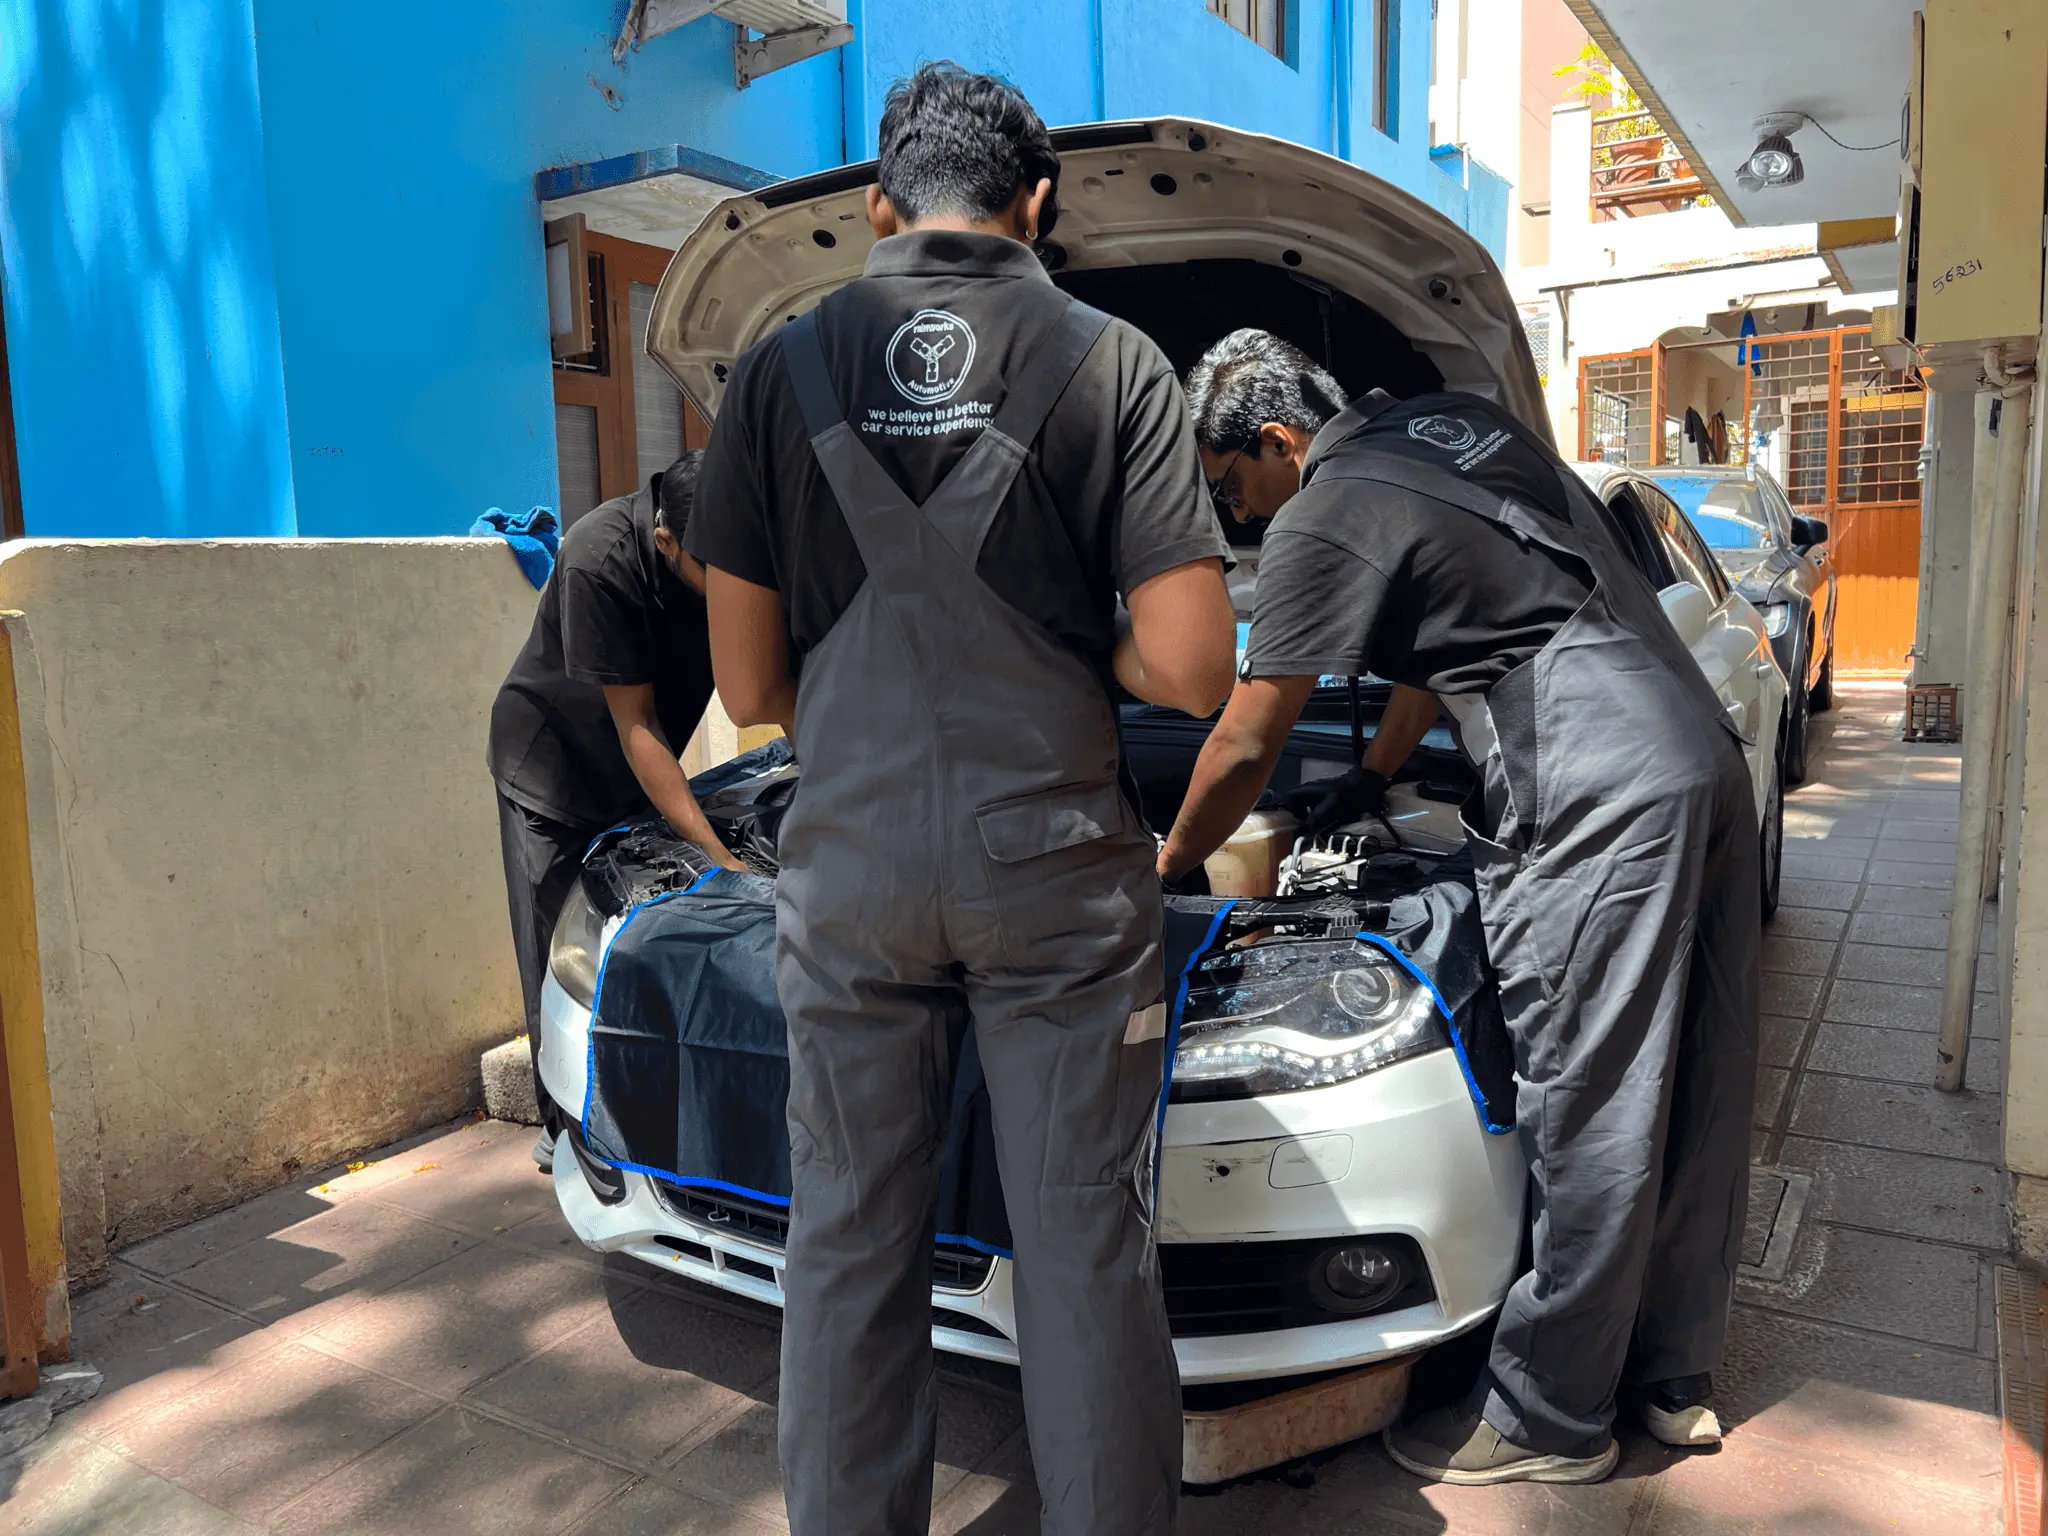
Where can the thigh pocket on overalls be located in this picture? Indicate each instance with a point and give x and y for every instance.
(1048, 820)
(1063, 870)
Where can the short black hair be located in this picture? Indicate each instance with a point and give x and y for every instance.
(1252, 377)
(956, 142)
(678, 493)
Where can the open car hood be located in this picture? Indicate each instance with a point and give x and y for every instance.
(1134, 194)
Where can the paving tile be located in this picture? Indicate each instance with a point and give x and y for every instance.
(972, 1424)
(265, 1216)
(1860, 1389)
(1361, 1491)
(1901, 1117)
(1888, 1006)
(1897, 928)
(1812, 866)
(1899, 829)
(738, 1466)
(1806, 957)
(1906, 1193)
(461, 1322)
(1898, 1285)
(1805, 923)
(492, 1189)
(255, 1437)
(1778, 1045)
(1834, 895)
(1899, 1056)
(1908, 851)
(1919, 901)
(1760, 1489)
(1926, 803)
(68, 1484)
(152, 1357)
(1892, 963)
(457, 1472)
(1907, 872)
(1791, 997)
(1770, 1095)
(301, 1275)
(1816, 820)
(1831, 844)
(643, 1378)
(651, 1508)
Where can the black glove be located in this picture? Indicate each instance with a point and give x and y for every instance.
(1193, 882)
(1322, 804)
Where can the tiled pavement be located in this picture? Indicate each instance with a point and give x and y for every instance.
(418, 1346)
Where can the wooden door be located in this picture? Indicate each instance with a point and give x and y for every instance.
(618, 418)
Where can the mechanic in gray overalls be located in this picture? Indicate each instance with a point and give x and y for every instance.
(1438, 544)
(921, 502)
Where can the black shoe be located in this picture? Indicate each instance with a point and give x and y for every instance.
(1676, 1411)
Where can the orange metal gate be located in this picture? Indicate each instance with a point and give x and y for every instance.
(1839, 430)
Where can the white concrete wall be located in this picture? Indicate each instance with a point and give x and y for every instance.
(270, 910)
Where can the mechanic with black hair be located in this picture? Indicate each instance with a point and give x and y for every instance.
(589, 723)
(1437, 543)
(921, 502)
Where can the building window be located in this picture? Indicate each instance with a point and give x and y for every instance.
(1537, 329)
(1263, 21)
(1386, 67)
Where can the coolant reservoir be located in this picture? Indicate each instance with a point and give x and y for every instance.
(1249, 863)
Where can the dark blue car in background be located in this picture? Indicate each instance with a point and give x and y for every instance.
(1779, 561)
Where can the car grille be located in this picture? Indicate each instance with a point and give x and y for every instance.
(953, 1269)
(1219, 1288)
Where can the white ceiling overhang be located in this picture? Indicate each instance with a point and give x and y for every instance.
(1709, 73)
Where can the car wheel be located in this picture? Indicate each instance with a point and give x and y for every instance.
(1793, 753)
(1772, 841)
(1821, 697)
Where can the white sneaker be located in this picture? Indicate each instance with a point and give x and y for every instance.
(1694, 1425)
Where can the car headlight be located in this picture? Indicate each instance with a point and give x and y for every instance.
(1777, 618)
(1279, 1017)
(577, 947)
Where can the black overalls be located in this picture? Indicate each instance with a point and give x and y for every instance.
(960, 851)
(1616, 844)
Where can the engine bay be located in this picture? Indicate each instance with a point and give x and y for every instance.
(1331, 883)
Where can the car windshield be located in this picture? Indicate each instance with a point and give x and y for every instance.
(1728, 515)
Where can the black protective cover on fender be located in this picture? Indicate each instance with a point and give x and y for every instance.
(689, 1061)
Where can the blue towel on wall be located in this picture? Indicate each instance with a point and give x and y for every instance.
(534, 537)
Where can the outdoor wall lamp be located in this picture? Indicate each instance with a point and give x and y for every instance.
(1774, 162)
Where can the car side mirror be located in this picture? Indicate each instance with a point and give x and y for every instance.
(1689, 609)
(1808, 531)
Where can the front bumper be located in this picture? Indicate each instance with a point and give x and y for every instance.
(1396, 1152)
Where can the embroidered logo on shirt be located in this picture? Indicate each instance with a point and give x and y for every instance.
(929, 356)
(1445, 432)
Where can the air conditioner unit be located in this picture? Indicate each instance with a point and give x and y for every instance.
(790, 30)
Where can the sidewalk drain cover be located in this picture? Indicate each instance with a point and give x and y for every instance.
(1777, 1199)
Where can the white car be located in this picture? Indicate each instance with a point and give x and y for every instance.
(1726, 635)
(1331, 1194)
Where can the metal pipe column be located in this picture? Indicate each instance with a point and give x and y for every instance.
(1989, 668)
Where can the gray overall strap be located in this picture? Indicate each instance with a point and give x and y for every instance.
(965, 503)
(1442, 485)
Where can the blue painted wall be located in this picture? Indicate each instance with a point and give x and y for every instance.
(316, 302)
(409, 261)
(135, 248)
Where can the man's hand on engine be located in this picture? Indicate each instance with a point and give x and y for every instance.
(1325, 803)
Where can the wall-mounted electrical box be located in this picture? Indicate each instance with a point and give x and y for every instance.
(1974, 151)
